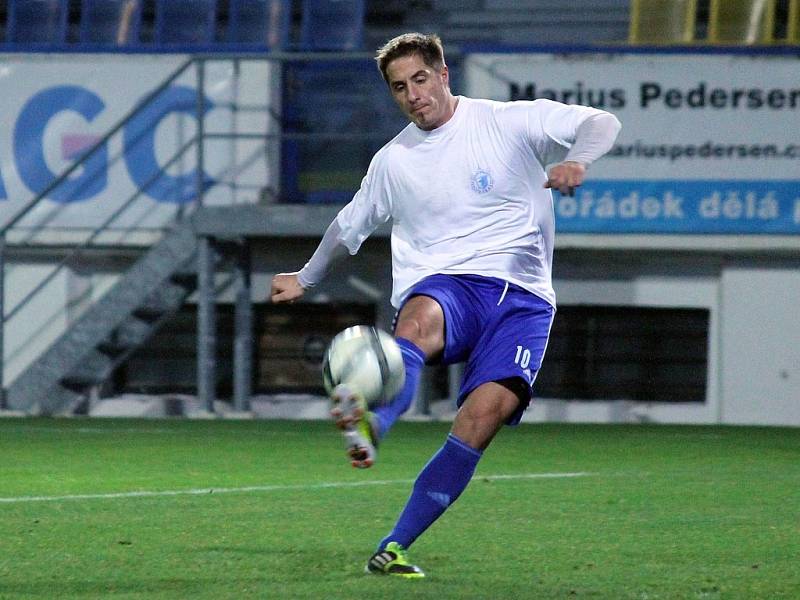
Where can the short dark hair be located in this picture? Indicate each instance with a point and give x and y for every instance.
(429, 47)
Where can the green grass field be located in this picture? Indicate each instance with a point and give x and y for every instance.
(658, 512)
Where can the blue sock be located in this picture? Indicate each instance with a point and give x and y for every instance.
(437, 487)
(414, 360)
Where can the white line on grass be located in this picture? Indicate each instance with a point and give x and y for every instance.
(268, 488)
(118, 430)
(131, 430)
(102, 430)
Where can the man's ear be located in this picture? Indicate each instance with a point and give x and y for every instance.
(445, 75)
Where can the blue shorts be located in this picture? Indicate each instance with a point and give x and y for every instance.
(499, 329)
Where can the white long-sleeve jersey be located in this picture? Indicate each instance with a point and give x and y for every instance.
(469, 196)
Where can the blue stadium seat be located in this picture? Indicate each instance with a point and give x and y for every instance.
(259, 22)
(110, 22)
(185, 22)
(332, 25)
(329, 169)
(37, 22)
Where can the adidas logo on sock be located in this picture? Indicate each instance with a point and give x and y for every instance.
(440, 498)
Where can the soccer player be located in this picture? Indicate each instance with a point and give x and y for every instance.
(468, 188)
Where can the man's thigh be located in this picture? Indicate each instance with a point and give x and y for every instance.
(465, 301)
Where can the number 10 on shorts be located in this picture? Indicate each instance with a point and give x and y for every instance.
(523, 357)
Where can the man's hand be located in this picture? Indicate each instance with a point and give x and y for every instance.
(285, 288)
(565, 177)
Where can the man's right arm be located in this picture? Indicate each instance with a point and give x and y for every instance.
(368, 209)
(288, 287)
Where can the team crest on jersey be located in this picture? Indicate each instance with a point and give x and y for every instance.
(482, 181)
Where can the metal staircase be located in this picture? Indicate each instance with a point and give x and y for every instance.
(154, 288)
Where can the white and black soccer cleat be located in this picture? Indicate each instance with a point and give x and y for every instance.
(350, 414)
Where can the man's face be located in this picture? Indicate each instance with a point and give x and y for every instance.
(420, 91)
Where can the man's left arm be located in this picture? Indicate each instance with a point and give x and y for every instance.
(593, 138)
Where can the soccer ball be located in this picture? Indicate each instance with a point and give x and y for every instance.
(366, 359)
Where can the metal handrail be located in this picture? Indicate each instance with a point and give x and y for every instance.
(98, 230)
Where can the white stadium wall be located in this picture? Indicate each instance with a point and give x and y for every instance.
(760, 343)
(753, 351)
